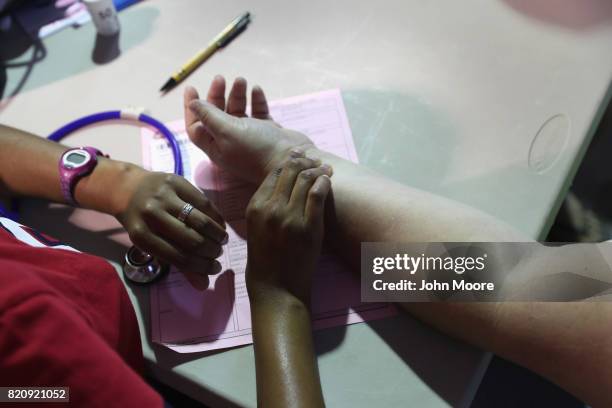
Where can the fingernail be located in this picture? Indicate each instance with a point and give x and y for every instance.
(296, 153)
(225, 240)
(327, 168)
(195, 105)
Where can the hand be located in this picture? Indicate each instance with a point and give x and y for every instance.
(285, 229)
(149, 206)
(248, 147)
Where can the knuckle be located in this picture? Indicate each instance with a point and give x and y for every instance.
(196, 242)
(292, 226)
(150, 208)
(204, 223)
(204, 201)
(169, 179)
(294, 164)
(316, 196)
(274, 216)
(253, 210)
(306, 175)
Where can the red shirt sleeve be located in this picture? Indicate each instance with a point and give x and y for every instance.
(45, 343)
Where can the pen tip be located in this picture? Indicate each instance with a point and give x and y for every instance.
(168, 85)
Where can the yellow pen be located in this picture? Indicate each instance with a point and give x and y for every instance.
(221, 40)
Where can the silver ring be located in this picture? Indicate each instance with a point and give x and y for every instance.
(185, 211)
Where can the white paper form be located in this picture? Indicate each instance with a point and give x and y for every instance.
(187, 320)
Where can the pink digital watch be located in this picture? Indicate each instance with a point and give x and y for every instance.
(73, 165)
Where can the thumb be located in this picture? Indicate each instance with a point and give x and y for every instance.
(216, 122)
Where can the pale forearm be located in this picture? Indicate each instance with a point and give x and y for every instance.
(369, 207)
(286, 365)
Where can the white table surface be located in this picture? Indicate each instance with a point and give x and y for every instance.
(446, 96)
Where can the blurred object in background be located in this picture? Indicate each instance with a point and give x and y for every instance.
(42, 18)
(104, 16)
(586, 213)
(15, 41)
(573, 14)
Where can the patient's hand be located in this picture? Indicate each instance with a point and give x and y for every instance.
(250, 147)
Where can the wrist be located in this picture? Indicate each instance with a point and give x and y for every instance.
(262, 296)
(314, 153)
(277, 158)
(106, 188)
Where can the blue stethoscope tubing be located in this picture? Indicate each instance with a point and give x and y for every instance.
(77, 124)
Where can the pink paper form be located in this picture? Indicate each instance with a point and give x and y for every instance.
(187, 320)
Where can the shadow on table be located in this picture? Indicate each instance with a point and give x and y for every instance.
(55, 220)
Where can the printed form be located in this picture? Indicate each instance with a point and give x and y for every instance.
(188, 320)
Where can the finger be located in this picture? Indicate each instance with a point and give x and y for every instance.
(195, 129)
(288, 176)
(259, 104)
(218, 123)
(304, 183)
(315, 203)
(184, 238)
(152, 244)
(206, 227)
(190, 194)
(199, 222)
(216, 92)
(190, 94)
(237, 101)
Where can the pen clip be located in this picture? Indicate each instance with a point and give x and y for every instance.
(239, 28)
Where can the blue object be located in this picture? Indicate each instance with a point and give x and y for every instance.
(8, 214)
(121, 4)
(77, 124)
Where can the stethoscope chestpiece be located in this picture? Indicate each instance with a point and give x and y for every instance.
(141, 268)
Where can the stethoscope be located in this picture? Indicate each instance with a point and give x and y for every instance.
(139, 266)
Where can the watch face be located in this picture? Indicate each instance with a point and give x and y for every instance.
(75, 158)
